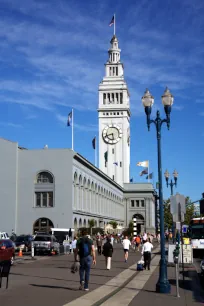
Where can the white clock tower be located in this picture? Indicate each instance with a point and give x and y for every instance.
(114, 119)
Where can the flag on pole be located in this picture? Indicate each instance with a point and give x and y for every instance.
(115, 163)
(69, 119)
(143, 164)
(112, 21)
(106, 156)
(94, 143)
(150, 176)
(145, 171)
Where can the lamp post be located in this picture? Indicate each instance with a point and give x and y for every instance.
(171, 184)
(162, 285)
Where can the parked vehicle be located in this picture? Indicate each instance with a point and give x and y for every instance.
(23, 242)
(7, 251)
(46, 244)
(4, 235)
(202, 268)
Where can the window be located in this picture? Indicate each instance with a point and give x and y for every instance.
(137, 203)
(113, 151)
(120, 164)
(106, 114)
(38, 199)
(132, 203)
(104, 98)
(118, 113)
(113, 177)
(142, 203)
(117, 71)
(111, 114)
(44, 199)
(44, 177)
(114, 114)
(121, 98)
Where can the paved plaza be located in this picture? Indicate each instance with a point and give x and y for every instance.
(48, 281)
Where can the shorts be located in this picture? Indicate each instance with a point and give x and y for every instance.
(126, 250)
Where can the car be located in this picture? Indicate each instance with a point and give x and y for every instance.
(7, 250)
(24, 242)
(46, 244)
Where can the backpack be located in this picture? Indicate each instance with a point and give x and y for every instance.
(84, 247)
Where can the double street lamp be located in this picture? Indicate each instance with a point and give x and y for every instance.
(171, 184)
(162, 285)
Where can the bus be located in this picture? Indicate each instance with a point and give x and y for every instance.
(196, 231)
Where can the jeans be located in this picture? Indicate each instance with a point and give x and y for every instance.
(84, 271)
(147, 260)
(99, 250)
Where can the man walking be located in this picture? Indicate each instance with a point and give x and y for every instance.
(126, 247)
(146, 252)
(85, 249)
(99, 244)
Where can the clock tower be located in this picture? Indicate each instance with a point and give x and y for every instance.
(114, 119)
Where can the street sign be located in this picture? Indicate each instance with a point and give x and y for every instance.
(178, 207)
(187, 253)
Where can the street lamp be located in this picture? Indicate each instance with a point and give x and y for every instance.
(171, 184)
(162, 285)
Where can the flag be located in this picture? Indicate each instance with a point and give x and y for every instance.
(150, 176)
(131, 180)
(106, 156)
(115, 163)
(145, 171)
(112, 21)
(94, 143)
(69, 119)
(143, 164)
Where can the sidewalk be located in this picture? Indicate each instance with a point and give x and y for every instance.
(190, 291)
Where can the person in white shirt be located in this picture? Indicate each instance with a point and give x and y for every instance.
(126, 247)
(74, 248)
(146, 252)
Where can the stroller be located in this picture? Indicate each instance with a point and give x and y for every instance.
(140, 264)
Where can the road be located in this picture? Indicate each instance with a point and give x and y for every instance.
(48, 281)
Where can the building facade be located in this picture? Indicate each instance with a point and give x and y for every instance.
(48, 188)
(114, 119)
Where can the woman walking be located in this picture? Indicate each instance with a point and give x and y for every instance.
(108, 252)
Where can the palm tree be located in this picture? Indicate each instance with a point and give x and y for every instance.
(114, 224)
(91, 224)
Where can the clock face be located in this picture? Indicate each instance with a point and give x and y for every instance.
(112, 134)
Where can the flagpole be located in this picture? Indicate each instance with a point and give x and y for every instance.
(114, 24)
(148, 171)
(72, 129)
(95, 153)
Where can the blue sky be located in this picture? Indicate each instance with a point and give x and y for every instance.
(52, 58)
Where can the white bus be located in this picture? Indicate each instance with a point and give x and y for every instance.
(196, 231)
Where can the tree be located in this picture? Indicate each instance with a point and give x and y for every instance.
(190, 211)
(168, 219)
(114, 224)
(91, 224)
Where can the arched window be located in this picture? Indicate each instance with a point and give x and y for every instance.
(44, 190)
(44, 177)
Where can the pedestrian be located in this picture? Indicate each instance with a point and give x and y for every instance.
(74, 247)
(138, 242)
(144, 237)
(112, 240)
(99, 244)
(108, 252)
(126, 247)
(146, 252)
(85, 249)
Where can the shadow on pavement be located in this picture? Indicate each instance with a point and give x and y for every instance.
(54, 287)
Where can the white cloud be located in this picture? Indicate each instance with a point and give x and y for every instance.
(11, 124)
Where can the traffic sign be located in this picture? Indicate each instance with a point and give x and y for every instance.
(178, 207)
